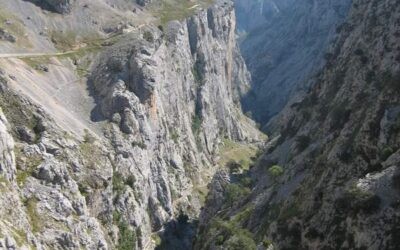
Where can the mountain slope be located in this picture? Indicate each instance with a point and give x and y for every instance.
(331, 180)
(107, 144)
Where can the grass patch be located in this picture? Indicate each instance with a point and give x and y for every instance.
(33, 216)
(202, 192)
(170, 10)
(36, 62)
(63, 40)
(240, 153)
(3, 180)
(91, 153)
(20, 237)
(69, 40)
(127, 237)
(82, 58)
(31, 163)
(15, 28)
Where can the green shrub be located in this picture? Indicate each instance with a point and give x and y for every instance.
(359, 52)
(234, 167)
(196, 124)
(396, 180)
(116, 216)
(246, 181)
(365, 200)
(390, 80)
(88, 138)
(370, 77)
(118, 183)
(157, 239)
(386, 152)
(339, 116)
(249, 114)
(139, 144)
(356, 200)
(302, 141)
(275, 171)
(289, 212)
(234, 193)
(130, 181)
(198, 70)
(266, 243)
(33, 216)
(240, 242)
(127, 237)
(232, 236)
(174, 135)
(148, 36)
(83, 189)
(91, 153)
(220, 240)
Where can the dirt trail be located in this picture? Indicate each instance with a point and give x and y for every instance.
(33, 54)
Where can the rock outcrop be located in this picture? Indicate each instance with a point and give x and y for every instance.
(143, 2)
(171, 97)
(330, 181)
(7, 157)
(47, 198)
(60, 6)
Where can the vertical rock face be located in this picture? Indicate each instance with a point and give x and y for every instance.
(172, 96)
(331, 181)
(7, 158)
(283, 47)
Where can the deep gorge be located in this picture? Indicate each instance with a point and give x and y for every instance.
(137, 124)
